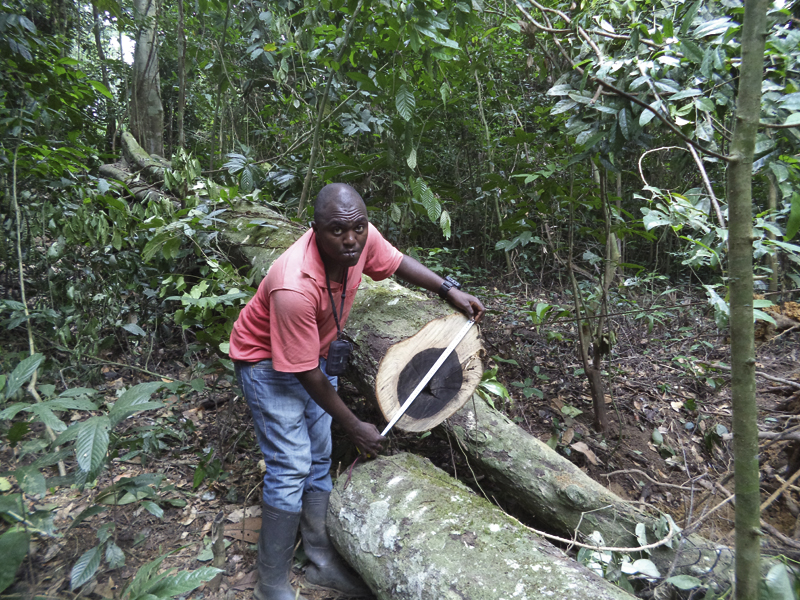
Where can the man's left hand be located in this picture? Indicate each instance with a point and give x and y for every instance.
(466, 303)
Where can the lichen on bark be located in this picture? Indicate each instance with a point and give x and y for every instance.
(412, 531)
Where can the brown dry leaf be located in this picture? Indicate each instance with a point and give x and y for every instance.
(247, 530)
(607, 399)
(246, 581)
(676, 406)
(195, 415)
(637, 405)
(557, 403)
(586, 451)
(568, 435)
(239, 514)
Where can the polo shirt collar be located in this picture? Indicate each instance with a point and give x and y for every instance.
(312, 261)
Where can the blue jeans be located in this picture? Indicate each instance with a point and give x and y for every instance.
(293, 432)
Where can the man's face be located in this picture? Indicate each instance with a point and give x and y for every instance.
(342, 232)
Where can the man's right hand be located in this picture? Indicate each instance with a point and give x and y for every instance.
(367, 438)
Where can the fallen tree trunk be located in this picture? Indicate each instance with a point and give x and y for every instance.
(141, 190)
(565, 500)
(412, 531)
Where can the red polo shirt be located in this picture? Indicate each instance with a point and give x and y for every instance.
(290, 319)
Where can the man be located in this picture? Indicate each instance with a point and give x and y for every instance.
(280, 345)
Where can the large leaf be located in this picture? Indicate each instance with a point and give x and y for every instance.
(184, 582)
(115, 557)
(684, 582)
(22, 373)
(92, 443)
(405, 103)
(793, 225)
(13, 549)
(778, 585)
(133, 400)
(85, 568)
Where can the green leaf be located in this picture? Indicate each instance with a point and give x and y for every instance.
(445, 224)
(793, 119)
(685, 582)
(101, 88)
(91, 444)
(689, 17)
(692, 51)
(778, 585)
(13, 549)
(563, 106)
(22, 373)
(183, 582)
(154, 509)
(623, 117)
(115, 557)
(641, 534)
(89, 512)
(763, 316)
(648, 115)
(645, 567)
(134, 329)
(133, 400)
(31, 481)
(405, 103)
(85, 568)
(793, 224)
(412, 159)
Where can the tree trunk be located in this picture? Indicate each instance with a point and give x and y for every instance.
(101, 55)
(743, 382)
(181, 74)
(413, 532)
(563, 499)
(147, 112)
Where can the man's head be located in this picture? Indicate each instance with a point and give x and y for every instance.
(340, 224)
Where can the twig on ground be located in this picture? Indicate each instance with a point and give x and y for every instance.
(779, 491)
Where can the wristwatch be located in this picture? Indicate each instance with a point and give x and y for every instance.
(448, 283)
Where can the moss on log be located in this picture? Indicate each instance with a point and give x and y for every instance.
(138, 158)
(141, 190)
(412, 531)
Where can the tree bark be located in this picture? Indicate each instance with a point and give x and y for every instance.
(147, 112)
(411, 531)
(181, 74)
(564, 500)
(743, 381)
(152, 168)
(101, 55)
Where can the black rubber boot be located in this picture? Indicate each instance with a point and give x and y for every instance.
(275, 551)
(327, 569)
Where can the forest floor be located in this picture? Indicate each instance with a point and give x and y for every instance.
(668, 444)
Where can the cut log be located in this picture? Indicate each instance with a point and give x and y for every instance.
(412, 531)
(408, 362)
(565, 500)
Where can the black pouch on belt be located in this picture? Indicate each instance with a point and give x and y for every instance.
(338, 355)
